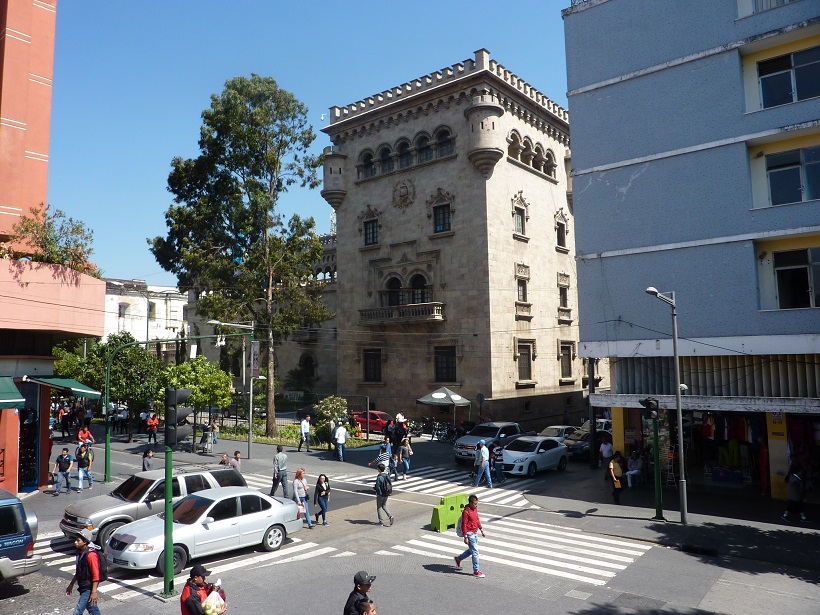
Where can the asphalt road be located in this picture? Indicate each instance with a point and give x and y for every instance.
(535, 560)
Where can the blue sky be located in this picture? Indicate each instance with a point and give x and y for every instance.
(131, 80)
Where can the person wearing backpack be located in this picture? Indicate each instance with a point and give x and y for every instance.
(384, 489)
(91, 570)
(468, 527)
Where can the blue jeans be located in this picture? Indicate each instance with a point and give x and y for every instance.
(307, 510)
(85, 472)
(472, 550)
(63, 476)
(340, 451)
(82, 604)
(499, 472)
(480, 473)
(323, 509)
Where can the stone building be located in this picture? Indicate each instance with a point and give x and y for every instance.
(455, 245)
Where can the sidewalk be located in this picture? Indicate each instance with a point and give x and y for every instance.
(719, 524)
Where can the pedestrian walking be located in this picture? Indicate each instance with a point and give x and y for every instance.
(300, 494)
(147, 460)
(196, 591)
(393, 468)
(214, 429)
(88, 417)
(64, 417)
(62, 470)
(361, 586)
(224, 461)
(85, 459)
(321, 496)
(280, 472)
(236, 461)
(366, 607)
(152, 423)
(498, 458)
(86, 574)
(470, 525)
(383, 457)
(340, 436)
(796, 493)
(483, 468)
(383, 489)
(616, 472)
(404, 456)
(143, 421)
(605, 452)
(304, 430)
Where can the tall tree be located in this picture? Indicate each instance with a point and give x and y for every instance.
(226, 238)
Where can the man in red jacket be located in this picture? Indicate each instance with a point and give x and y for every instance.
(470, 526)
(87, 575)
(196, 590)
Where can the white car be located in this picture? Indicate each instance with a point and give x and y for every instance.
(559, 432)
(206, 522)
(528, 455)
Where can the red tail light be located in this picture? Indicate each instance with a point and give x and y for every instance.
(30, 550)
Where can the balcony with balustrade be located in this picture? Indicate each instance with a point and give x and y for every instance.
(400, 314)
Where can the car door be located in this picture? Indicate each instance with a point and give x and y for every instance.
(154, 501)
(222, 534)
(256, 515)
(550, 455)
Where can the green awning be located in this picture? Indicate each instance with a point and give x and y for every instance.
(9, 394)
(69, 385)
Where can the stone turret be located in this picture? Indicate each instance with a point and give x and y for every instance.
(333, 170)
(483, 114)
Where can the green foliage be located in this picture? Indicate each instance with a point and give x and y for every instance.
(209, 385)
(225, 237)
(299, 380)
(334, 410)
(54, 239)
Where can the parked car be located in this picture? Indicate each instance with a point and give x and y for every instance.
(600, 425)
(378, 420)
(140, 496)
(559, 432)
(206, 522)
(501, 433)
(579, 442)
(528, 455)
(18, 532)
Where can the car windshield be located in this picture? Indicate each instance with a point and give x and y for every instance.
(521, 446)
(485, 431)
(578, 436)
(190, 509)
(552, 432)
(133, 489)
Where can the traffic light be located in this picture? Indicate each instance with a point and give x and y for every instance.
(651, 404)
(176, 428)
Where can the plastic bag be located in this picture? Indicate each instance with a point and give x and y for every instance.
(214, 604)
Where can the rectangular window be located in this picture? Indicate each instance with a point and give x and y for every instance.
(445, 363)
(372, 365)
(522, 291)
(371, 232)
(425, 154)
(765, 5)
(441, 218)
(405, 158)
(797, 274)
(520, 218)
(794, 176)
(152, 311)
(561, 235)
(446, 148)
(566, 361)
(789, 78)
(563, 297)
(524, 362)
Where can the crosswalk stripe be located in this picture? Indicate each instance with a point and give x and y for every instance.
(302, 556)
(616, 546)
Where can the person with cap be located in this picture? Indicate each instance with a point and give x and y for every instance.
(361, 586)
(382, 494)
(482, 455)
(86, 575)
(196, 590)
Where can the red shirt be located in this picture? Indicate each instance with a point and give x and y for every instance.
(153, 423)
(84, 434)
(470, 521)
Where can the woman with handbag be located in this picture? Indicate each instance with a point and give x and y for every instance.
(300, 495)
(616, 472)
(404, 455)
(320, 497)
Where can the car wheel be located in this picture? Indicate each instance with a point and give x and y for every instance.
(531, 470)
(273, 538)
(180, 559)
(562, 465)
(107, 532)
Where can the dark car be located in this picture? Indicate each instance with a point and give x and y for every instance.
(18, 531)
(578, 443)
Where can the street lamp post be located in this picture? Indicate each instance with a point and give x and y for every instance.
(250, 327)
(669, 298)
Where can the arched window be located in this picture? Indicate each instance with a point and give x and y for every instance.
(549, 164)
(405, 156)
(424, 149)
(445, 143)
(367, 168)
(385, 160)
(308, 366)
(419, 291)
(394, 295)
(514, 149)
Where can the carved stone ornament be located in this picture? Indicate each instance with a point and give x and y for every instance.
(563, 279)
(404, 194)
(441, 197)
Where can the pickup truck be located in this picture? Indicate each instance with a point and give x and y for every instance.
(501, 433)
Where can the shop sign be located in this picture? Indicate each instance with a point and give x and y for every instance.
(777, 417)
(629, 436)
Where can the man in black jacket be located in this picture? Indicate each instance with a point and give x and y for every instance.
(361, 585)
(87, 575)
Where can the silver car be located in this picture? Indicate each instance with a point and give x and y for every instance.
(207, 522)
(530, 454)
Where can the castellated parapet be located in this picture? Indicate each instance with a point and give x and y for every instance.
(449, 75)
